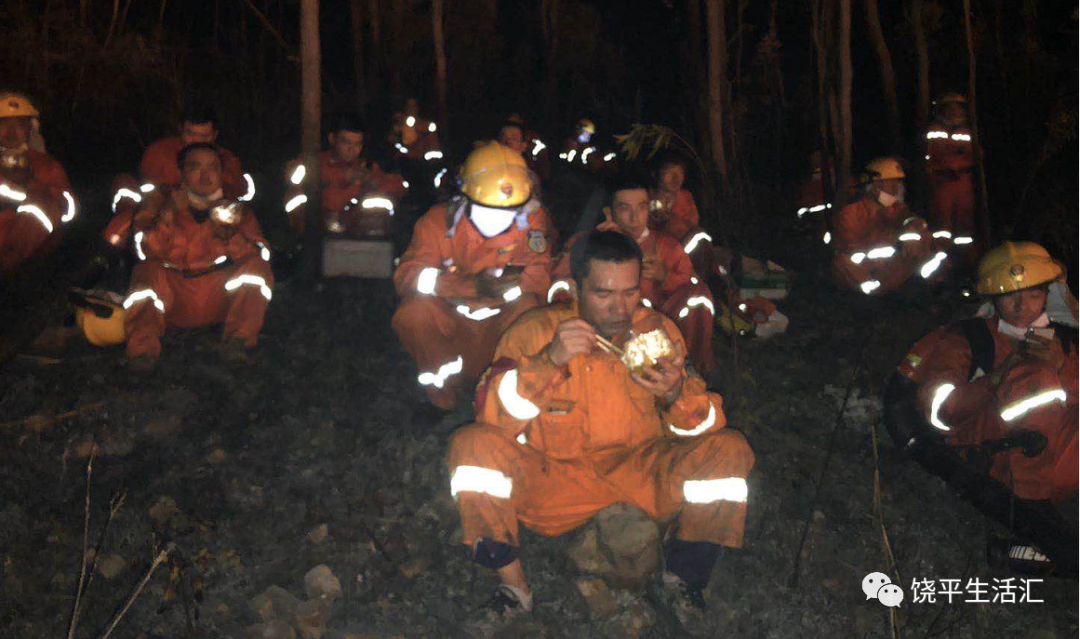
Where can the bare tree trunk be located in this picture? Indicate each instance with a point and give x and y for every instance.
(819, 21)
(980, 168)
(549, 31)
(888, 77)
(714, 11)
(375, 57)
(440, 62)
(923, 105)
(357, 21)
(845, 126)
(397, 50)
(112, 23)
(311, 110)
(696, 58)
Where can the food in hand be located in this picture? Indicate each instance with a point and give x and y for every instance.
(644, 349)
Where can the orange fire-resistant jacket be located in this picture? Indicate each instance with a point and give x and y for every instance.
(31, 226)
(1018, 395)
(555, 444)
(862, 229)
(684, 218)
(337, 189)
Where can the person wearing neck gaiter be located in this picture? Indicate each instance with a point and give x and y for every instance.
(202, 260)
(1009, 370)
(878, 243)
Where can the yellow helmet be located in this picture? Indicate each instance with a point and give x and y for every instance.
(496, 176)
(586, 124)
(886, 168)
(100, 320)
(16, 105)
(951, 96)
(1014, 266)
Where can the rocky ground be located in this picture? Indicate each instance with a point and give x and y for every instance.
(304, 494)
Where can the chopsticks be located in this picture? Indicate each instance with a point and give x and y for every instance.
(609, 347)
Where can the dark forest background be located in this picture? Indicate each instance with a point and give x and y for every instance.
(111, 75)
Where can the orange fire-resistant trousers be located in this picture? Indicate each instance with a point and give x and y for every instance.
(552, 497)
(436, 335)
(891, 273)
(191, 302)
(696, 325)
(951, 207)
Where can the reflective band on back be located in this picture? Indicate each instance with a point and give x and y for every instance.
(870, 286)
(479, 314)
(439, 377)
(941, 393)
(433, 155)
(11, 194)
(560, 285)
(881, 253)
(699, 236)
(145, 294)
(34, 210)
(705, 425)
(475, 479)
(1022, 407)
(125, 193)
(296, 201)
(928, 269)
(515, 404)
(512, 294)
(251, 280)
(693, 302)
(960, 241)
(910, 237)
(250, 194)
(943, 235)
(70, 215)
(425, 282)
(138, 245)
(707, 491)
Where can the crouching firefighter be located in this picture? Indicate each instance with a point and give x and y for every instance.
(989, 404)
(202, 260)
(473, 266)
(565, 429)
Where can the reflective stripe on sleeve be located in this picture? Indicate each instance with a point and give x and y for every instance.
(425, 282)
(71, 210)
(515, 404)
(295, 202)
(560, 285)
(941, 393)
(932, 265)
(439, 377)
(705, 425)
(693, 242)
(34, 210)
(1018, 409)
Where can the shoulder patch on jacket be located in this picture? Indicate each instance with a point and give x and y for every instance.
(537, 241)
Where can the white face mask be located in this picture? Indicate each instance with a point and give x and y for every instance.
(886, 199)
(491, 221)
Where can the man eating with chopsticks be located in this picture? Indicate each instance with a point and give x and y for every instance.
(565, 429)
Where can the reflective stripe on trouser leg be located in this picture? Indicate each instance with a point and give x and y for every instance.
(149, 299)
(714, 491)
(246, 303)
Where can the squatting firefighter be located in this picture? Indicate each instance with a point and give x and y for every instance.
(356, 192)
(950, 161)
(675, 213)
(580, 149)
(474, 264)
(159, 169)
(1010, 370)
(514, 134)
(35, 197)
(878, 243)
(668, 281)
(202, 260)
(564, 430)
(413, 137)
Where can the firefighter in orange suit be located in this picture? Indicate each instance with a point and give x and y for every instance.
(345, 176)
(564, 429)
(413, 137)
(35, 197)
(950, 162)
(668, 281)
(1009, 370)
(878, 244)
(203, 260)
(473, 266)
(159, 169)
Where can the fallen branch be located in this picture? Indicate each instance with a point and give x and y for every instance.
(161, 557)
(85, 549)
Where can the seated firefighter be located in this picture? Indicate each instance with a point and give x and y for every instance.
(203, 260)
(412, 136)
(358, 197)
(473, 266)
(668, 281)
(675, 212)
(878, 244)
(1001, 390)
(35, 197)
(160, 169)
(565, 429)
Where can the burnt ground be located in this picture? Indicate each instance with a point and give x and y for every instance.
(240, 466)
